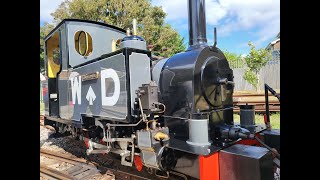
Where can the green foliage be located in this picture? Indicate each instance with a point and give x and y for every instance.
(259, 119)
(251, 78)
(151, 26)
(169, 42)
(235, 60)
(255, 60)
(44, 30)
(41, 51)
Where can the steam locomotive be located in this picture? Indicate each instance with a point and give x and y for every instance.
(173, 115)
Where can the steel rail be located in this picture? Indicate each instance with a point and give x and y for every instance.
(90, 165)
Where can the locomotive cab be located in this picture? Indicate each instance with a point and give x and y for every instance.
(72, 44)
(53, 64)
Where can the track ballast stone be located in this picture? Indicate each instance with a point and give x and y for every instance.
(64, 145)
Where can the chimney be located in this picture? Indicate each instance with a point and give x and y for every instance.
(197, 23)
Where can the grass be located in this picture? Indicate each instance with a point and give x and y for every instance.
(41, 108)
(274, 119)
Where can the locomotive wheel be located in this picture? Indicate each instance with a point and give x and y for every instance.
(168, 159)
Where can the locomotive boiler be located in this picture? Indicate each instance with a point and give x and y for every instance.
(175, 115)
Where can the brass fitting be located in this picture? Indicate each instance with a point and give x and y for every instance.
(147, 123)
(134, 24)
(160, 136)
(113, 45)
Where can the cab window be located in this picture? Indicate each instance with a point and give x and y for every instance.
(53, 55)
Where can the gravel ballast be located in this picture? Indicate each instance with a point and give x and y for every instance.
(44, 134)
(63, 145)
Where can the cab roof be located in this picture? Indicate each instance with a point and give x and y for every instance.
(81, 20)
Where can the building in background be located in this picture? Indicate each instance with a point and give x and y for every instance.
(274, 47)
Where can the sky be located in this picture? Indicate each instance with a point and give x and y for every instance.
(237, 21)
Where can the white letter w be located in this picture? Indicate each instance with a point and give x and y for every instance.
(76, 89)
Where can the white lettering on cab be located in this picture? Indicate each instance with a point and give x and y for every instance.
(110, 100)
(75, 87)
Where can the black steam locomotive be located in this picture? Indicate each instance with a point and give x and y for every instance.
(175, 115)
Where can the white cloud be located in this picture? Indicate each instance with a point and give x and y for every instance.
(178, 9)
(268, 32)
(251, 13)
(214, 12)
(46, 8)
(232, 15)
(175, 9)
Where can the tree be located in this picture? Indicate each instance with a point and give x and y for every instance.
(255, 60)
(169, 42)
(41, 51)
(151, 25)
(44, 30)
(235, 60)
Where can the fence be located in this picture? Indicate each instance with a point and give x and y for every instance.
(240, 63)
(269, 74)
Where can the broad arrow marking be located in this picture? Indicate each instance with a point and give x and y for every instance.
(90, 96)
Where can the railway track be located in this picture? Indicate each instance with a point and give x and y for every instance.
(79, 169)
(82, 169)
(258, 100)
(85, 169)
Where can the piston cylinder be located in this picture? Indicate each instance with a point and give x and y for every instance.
(247, 119)
(198, 132)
